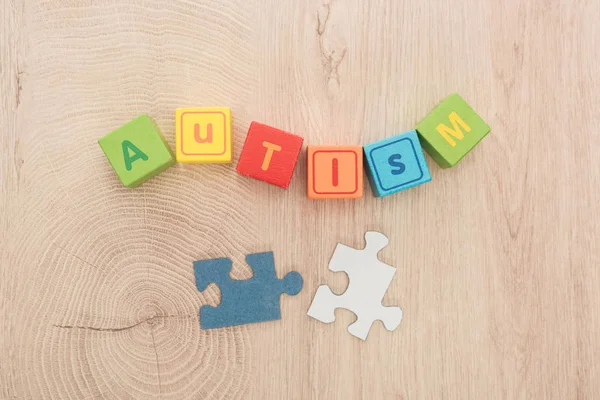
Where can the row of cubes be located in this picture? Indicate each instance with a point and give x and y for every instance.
(137, 151)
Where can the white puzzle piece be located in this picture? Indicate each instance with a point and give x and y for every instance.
(368, 278)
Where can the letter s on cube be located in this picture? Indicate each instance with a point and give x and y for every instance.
(396, 163)
(269, 154)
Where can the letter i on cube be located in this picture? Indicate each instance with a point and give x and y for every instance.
(269, 154)
(334, 172)
(396, 163)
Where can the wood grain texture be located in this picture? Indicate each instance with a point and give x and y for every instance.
(497, 258)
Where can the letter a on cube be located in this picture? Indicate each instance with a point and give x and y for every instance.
(451, 130)
(203, 135)
(269, 154)
(137, 151)
(335, 172)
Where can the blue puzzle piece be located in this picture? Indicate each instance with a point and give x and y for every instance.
(244, 301)
(396, 163)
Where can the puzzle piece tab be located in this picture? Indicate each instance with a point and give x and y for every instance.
(244, 301)
(368, 278)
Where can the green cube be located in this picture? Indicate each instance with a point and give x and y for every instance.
(137, 151)
(451, 130)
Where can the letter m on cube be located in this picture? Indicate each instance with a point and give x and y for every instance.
(451, 130)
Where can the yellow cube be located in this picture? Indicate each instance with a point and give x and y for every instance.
(203, 135)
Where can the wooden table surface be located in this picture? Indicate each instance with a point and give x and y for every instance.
(497, 259)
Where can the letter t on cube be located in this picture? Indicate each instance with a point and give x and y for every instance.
(269, 154)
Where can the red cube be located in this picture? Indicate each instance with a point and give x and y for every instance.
(269, 154)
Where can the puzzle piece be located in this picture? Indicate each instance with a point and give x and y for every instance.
(368, 278)
(244, 301)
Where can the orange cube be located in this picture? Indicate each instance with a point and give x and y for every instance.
(335, 172)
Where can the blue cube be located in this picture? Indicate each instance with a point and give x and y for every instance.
(395, 164)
